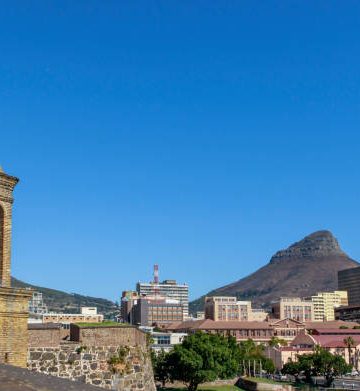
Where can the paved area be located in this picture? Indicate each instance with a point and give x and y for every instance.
(19, 379)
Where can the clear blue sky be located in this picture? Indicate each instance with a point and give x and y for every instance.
(201, 135)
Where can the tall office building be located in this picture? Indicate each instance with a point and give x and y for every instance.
(325, 303)
(168, 289)
(349, 280)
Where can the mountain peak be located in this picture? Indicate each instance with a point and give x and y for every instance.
(318, 244)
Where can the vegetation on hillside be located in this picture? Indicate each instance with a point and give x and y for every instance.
(59, 301)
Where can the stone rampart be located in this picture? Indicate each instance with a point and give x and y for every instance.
(107, 336)
(122, 368)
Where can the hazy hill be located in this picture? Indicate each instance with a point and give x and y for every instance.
(59, 301)
(302, 269)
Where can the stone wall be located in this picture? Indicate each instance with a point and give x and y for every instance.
(13, 325)
(111, 367)
(48, 335)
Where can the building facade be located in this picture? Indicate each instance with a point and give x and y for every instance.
(228, 308)
(87, 315)
(128, 300)
(37, 305)
(293, 308)
(14, 302)
(349, 313)
(156, 311)
(169, 289)
(166, 341)
(349, 280)
(324, 304)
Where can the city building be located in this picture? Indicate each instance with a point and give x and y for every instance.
(228, 308)
(324, 304)
(87, 314)
(258, 315)
(200, 315)
(332, 340)
(14, 302)
(349, 313)
(128, 300)
(293, 308)
(260, 332)
(166, 341)
(168, 288)
(349, 280)
(156, 311)
(37, 305)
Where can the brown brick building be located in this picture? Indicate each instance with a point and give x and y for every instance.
(13, 302)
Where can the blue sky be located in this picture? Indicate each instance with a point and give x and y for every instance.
(203, 136)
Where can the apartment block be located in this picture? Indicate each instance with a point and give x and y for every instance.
(349, 280)
(324, 304)
(293, 308)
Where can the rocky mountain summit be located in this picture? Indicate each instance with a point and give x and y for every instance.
(304, 268)
(317, 244)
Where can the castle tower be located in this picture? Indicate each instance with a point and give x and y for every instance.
(14, 303)
(7, 184)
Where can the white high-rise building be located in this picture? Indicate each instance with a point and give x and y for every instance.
(168, 289)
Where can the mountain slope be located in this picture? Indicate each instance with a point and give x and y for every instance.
(304, 268)
(59, 301)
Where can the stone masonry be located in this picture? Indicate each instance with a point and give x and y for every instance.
(110, 367)
(13, 302)
(113, 356)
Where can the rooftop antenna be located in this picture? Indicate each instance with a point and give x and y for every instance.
(156, 281)
(156, 274)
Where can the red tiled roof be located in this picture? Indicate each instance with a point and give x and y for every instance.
(332, 324)
(333, 341)
(337, 331)
(208, 324)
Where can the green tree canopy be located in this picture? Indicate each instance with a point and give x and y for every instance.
(204, 357)
(319, 363)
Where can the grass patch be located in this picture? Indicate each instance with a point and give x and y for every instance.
(266, 380)
(107, 323)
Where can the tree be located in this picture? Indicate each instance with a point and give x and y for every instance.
(204, 357)
(160, 366)
(349, 343)
(276, 341)
(319, 363)
(292, 368)
(250, 352)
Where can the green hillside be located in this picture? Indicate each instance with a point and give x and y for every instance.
(59, 301)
